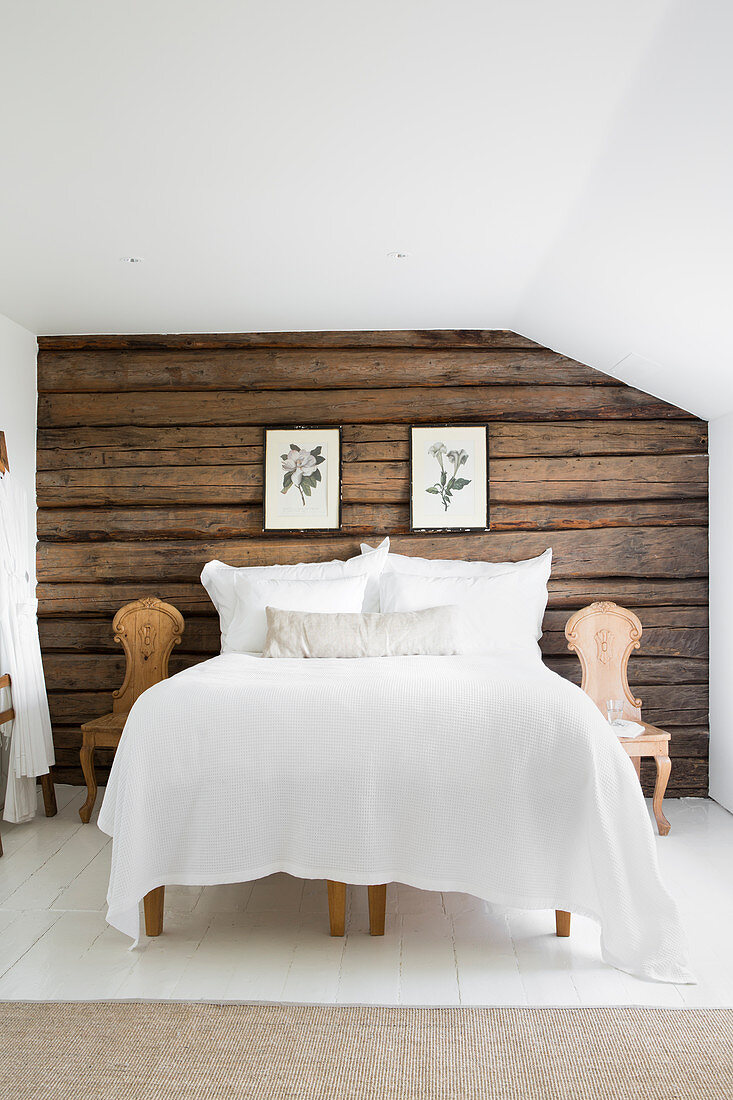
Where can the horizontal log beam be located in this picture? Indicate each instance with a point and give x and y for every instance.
(550, 480)
(475, 404)
(374, 338)
(132, 445)
(268, 369)
(245, 521)
(643, 552)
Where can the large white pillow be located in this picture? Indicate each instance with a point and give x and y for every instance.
(446, 567)
(218, 579)
(248, 627)
(501, 613)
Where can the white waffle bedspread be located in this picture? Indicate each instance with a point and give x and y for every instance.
(491, 776)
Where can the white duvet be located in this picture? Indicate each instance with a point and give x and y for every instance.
(485, 775)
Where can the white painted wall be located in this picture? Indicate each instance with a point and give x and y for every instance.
(721, 610)
(18, 405)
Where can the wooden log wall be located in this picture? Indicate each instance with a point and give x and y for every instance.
(150, 463)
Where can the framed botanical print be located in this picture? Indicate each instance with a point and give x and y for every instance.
(302, 479)
(449, 483)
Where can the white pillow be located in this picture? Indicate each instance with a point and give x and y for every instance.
(446, 567)
(248, 627)
(499, 613)
(435, 631)
(218, 580)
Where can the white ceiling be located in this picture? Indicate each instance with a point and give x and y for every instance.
(564, 169)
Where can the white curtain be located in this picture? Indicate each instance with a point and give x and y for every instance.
(31, 744)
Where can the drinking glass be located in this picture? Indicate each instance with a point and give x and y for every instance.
(614, 710)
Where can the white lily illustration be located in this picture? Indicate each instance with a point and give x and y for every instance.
(447, 485)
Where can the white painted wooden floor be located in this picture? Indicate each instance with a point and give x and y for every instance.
(268, 940)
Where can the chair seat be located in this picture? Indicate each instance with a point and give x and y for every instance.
(106, 730)
(649, 743)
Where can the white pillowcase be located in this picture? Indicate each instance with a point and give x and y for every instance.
(500, 613)
(446, 567)
(248, 627)
(219, 579)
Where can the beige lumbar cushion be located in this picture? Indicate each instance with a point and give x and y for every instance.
(434, 631)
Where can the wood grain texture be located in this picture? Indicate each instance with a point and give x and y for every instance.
(392, 338)
(641, 551)
(410, 405)
(268, 369)
(132, 445)
(150, 458)
(96, 524)
(561, 480)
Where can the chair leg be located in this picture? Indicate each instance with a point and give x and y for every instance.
(90, 778)
(562, 923)
(664, 767)
(377, 909)
(49, 795)
(337, 907)
(153, 906)
(636, 761)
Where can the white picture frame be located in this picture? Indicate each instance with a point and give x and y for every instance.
(449, 477)
(302, 479)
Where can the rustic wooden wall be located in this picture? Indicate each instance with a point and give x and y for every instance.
(149, 463)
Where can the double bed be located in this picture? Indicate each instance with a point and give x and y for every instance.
(487, 774)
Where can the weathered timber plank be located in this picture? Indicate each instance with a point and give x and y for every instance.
(556, 516)
(411, 405)
(98, 671)
(70, 599)
(670, 477)
(630, 552)
(131, 445)
(688, 773)
(96, 371)
(373, 338)
(668, 705)
(647, 670)
(245, 520)
(678, 617)
(511, 440)
(551, 480)
(667, 641)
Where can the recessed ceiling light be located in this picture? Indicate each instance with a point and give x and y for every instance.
(397, 255)
(131, 259)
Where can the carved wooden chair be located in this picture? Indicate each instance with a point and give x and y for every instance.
(147, 630)
(604, 636)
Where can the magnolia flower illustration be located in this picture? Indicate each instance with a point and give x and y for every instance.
(301, 470)
(449, 482)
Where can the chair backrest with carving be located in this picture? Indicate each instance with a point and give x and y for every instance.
(604, 635)
(147, 630)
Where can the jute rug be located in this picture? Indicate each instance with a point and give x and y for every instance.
(151, 1051)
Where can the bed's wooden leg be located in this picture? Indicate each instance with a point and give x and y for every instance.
(337, 907)
(153, 904)
(562, 923)
(377, 909)
(49, 795)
